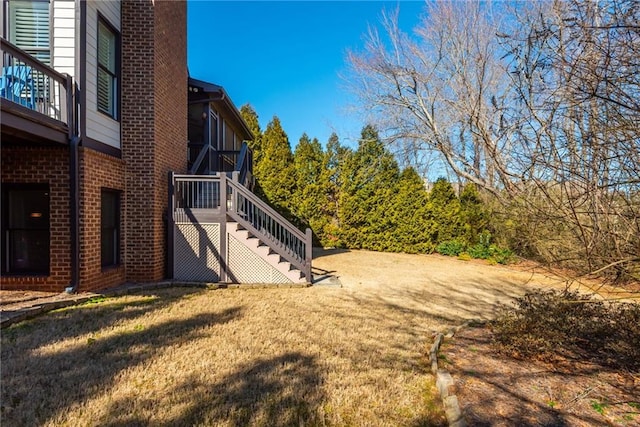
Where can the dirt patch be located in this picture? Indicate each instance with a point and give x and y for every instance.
(497, 390)
(446, 288)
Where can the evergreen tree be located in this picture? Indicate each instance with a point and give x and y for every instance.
(310, 197)
(413, 227)
(274, 171)
(359, 199)
(473, 213)
(251, 118)
(444, 211)
(331, 178)
(368, 178)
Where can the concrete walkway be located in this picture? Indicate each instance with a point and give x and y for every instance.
(16, 306)
(13, 311)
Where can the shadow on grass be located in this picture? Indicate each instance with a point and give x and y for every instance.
(322, 252)
(39, 384)
(286, 390)
(85, 318)
(411, 315)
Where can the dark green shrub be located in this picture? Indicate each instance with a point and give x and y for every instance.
(484, 249)
(500, 255)
(451, 248)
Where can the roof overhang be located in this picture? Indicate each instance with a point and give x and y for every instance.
(201, 91)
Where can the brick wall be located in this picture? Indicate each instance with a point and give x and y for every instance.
(154, 142)
(98, 171)
(36, 165)
(171, 110)
(154, 125)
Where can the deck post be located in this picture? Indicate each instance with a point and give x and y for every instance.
(224, 218)
(68, 110)
(308, 254)
(170, 226)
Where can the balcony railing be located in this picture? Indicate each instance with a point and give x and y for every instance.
(35, 85)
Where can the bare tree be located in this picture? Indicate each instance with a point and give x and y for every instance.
(442, 91)
(576, 74)
(539, 105)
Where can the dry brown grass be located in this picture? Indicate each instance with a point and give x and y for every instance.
(269, 357)
(266, 357)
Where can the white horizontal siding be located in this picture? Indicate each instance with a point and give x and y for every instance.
(64, 33)
(65, 42)
(63, 22)
(65, 52)
(99, 126)
(65, 9)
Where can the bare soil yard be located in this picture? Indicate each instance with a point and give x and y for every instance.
(497, 390)
(325, 355)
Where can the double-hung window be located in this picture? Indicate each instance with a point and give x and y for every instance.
(25, 229)
(108, 56)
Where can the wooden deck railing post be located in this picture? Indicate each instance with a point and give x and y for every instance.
(228, 205)
(225, 202)
(170, 226)
(308, 254)
(68, 107)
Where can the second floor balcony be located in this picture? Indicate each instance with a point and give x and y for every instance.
(37, 101)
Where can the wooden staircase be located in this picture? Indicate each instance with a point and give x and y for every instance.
(220, 229)
(265, 252)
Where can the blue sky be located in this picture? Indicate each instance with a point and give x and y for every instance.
(287, 58)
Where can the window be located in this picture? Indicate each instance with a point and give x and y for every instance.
(29, 27)
(110, 228)
(25, 229)
(107, 70)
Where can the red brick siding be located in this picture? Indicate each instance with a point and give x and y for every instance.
(171, 110)
(137, 124)
(98, 171)
(154, 142)
(154, 125)
(36, 165)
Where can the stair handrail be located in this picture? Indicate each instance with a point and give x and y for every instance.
(301, 259)
(291, 244)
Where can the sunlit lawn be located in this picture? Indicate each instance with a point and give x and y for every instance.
(185, 356)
